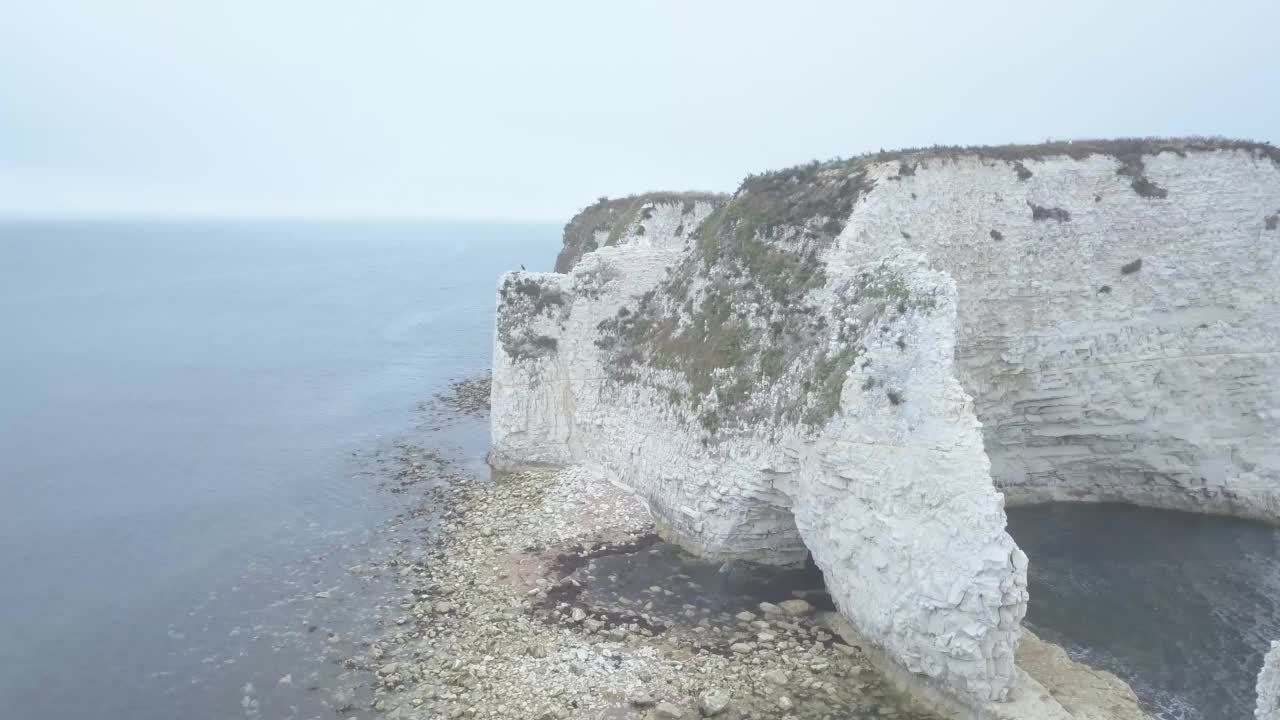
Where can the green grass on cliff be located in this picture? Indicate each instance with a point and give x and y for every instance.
(738, 316)
(793, 196)
(612, 217)
(523, 299)
(746, 361)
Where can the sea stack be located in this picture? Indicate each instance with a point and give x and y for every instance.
(863, 361)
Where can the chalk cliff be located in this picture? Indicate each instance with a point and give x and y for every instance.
(1269, 685)
(863, 359)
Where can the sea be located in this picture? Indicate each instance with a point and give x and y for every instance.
(191, 415)
(1182, 606)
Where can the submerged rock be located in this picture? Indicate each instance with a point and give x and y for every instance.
(468, 396)
(796, 607)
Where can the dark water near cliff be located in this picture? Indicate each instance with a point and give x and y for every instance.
(1181, 606)
(186, 415)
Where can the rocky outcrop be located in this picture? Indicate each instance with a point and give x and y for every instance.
(609, 221)
(1083, 692)
(840, 358)
(1047, 685)
(1269, 685)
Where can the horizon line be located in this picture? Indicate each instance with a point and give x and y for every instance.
(17, 218)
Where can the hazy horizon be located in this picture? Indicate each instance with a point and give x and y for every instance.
(506, 112)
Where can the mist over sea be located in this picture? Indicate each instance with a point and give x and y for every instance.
(186, 413)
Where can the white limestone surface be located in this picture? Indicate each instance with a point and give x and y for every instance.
(1269, 686)
(1032, 352)
(1157, 386)
(895, 501)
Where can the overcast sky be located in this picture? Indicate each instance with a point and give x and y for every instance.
(529, 110)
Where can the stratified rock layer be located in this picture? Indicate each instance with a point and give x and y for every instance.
(824, 363)
(1128, 353)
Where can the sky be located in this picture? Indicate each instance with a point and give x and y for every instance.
(519, 111)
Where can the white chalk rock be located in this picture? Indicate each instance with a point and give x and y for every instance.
(974, 320)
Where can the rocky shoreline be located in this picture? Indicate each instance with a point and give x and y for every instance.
(523, 606)
(548, 595)
(469, 396)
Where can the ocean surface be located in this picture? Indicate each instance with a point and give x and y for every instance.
(1179, 605)
(189, 416)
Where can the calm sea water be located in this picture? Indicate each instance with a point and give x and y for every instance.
(1181, 606)
(186, 413)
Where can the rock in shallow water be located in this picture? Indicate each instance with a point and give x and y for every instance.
(796, 607)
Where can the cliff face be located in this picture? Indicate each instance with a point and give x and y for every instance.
(1269, 685)
(609, 222)
(1126, 350)
(841, 357)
